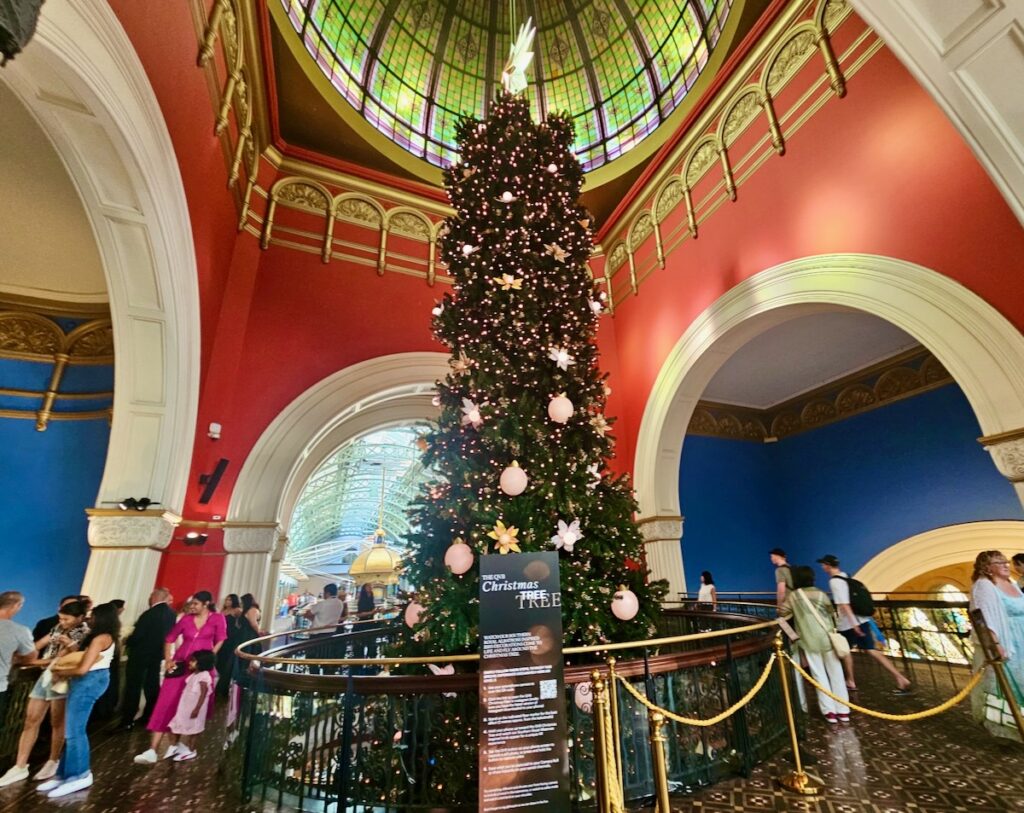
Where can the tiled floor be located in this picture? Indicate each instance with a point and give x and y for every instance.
(940, 765)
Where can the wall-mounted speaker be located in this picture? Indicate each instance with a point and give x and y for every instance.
(212, 480)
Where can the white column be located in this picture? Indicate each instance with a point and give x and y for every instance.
(125, 556)
(1007, 452)
(268, 601)
(247, 565)
(662, 537)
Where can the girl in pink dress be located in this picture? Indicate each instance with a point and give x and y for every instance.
(201, 627)
(190, 719)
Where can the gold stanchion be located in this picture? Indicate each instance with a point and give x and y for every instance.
(608, 780)
(613, 702)
(796, 781)
(1011, 699)
(658, 740)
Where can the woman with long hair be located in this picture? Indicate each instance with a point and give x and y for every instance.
(707, 598)
(232, 612)
(89, 676)
(66, 637)
(1002, 604)
(201, 627)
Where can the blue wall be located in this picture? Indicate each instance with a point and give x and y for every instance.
(851, 488)
(47, 480)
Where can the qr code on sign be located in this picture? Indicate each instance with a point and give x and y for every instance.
(548, 689)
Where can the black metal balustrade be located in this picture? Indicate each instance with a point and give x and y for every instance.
(309, 738)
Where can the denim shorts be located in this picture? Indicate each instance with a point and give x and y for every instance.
(42, 691)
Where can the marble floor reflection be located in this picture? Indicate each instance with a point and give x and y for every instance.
(943, 764)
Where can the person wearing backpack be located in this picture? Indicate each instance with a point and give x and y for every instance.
(855, 607)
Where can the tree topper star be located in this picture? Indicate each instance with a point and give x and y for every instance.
(562, 357)
(567, 536)
(508, 282)
(505, 538)
(513, 75)
(556, 251)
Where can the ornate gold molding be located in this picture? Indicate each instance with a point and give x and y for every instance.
(904, 375)
(27, 336)
(704, 158)
(230, 52)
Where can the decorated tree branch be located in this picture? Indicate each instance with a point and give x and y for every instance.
(522, 442)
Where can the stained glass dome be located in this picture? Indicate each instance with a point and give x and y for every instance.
(412, 67)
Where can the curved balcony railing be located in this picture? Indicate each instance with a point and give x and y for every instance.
(323, 724)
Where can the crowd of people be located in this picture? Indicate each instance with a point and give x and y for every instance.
(177, 662)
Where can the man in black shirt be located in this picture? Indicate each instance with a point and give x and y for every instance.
(44, 626)
(145, 654)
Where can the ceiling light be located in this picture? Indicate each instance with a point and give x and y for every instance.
(136, 504)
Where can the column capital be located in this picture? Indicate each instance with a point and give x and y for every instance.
(660, 528)
(250, 537)
(119, 529)
(1007, 452)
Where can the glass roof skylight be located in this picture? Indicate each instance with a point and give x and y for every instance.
(413, 67)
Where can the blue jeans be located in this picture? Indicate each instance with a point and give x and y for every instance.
(84, 692)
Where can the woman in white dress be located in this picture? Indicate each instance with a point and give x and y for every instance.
(707, 597)
(1002, 603)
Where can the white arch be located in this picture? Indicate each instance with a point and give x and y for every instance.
(981, 350)
(939, 547)
(82, 80)
(378, 392)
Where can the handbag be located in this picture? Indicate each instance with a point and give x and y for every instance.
(838, 641)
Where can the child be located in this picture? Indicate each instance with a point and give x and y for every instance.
(190, 718)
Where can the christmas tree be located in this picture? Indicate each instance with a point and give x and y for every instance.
(521, 445)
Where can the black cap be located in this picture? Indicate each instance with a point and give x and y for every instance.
(829, 559)
(777, 552)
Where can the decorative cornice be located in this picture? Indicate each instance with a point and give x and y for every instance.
(904, 375)
(1008, 456)
(136, 530)
(660, 529)
(250, 538)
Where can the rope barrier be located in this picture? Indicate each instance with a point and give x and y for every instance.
(882, 715)
(712, 720)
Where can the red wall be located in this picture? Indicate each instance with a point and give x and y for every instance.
(165, 39)
(880, 172)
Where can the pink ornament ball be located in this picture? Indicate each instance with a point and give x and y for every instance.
(560, 409)
(625, 605)
(513, 480)
(458, 558)
(413, 612)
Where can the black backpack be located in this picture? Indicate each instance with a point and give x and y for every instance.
(860, 597)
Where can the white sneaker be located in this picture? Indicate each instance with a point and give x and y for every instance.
(172, 751)
(147, 757)
(184, 754)
(48, 771)
(14, 774)
(74, 785)
(49, 785)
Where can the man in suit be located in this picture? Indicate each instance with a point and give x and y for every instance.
(145, 655)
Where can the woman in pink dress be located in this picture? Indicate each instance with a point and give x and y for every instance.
(201, 627)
